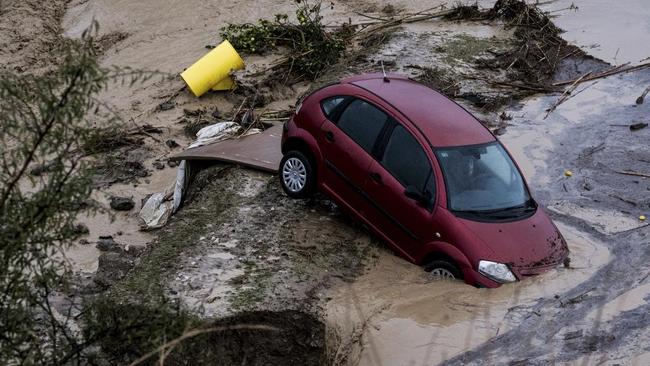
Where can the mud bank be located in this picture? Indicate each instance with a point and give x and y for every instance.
(253, 338)
(30, 34)
(239, 244)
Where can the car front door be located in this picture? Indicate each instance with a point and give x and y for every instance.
(402, 165)
(347, 138)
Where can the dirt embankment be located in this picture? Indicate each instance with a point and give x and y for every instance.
(30, 34)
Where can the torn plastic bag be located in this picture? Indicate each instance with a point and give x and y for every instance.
(161, 206)
(156, 211)
(213, 133)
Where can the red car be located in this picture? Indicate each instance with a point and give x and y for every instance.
(424, 175)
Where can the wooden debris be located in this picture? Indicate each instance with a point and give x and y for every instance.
(613, 71)
(639, 100)
(623, 199)
(630, 172)
(576, 299)
(567, 92)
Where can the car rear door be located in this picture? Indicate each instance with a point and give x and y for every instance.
(348, 136)
(402, 163)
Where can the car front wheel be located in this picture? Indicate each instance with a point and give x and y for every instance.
(442, 269)
(297, 175)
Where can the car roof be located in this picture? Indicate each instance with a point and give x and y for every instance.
(443, 122)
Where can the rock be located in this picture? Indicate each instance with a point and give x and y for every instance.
(172, 163)
(388, 9)
(112, 267)
(573, 335)
(107, 244)
(80, 229)
(171, 144)
(165, 106)
(192, 112)
(84, 242)
(122, 203)
(158, 165)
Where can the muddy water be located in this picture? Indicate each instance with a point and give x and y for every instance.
(627, 301)
(122, 226)
(417, 320)
(395, 316)
(614, 31)
(533, 136)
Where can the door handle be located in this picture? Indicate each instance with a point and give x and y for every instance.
(376, 177)
(329, 136)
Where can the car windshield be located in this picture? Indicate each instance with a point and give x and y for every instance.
(482, 179)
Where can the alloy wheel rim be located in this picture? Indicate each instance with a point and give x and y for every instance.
(294, 174)
(442, 273)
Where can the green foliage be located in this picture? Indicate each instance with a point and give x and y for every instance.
(311, 48)
(46, 120)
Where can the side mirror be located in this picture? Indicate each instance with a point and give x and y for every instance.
(414, 194)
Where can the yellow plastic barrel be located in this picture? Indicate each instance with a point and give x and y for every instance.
(212, 69)
(226, 84)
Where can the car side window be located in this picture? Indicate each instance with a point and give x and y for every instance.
(363, 122)
(406, 160)
(329, 105)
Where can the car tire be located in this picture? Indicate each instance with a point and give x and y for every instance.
(297, 175)
(442, 269)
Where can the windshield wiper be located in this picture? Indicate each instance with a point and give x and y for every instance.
(512, 211)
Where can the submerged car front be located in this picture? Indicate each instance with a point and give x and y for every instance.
(489, 199)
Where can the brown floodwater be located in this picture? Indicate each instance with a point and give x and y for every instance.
(413, 319)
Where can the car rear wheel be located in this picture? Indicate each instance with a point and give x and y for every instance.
(444, 270)
(297, 175)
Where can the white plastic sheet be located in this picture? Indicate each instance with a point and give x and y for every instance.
(156, 211)
(216, 132)
(160, 206)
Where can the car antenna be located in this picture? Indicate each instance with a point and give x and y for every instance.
(386, 79)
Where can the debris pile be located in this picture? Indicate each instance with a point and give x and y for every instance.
(311, 48)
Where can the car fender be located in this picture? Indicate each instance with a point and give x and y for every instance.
(447, 249)
(470, 276)
(303, 135)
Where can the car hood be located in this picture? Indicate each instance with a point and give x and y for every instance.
(529, 246)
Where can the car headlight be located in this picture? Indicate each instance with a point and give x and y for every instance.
(496, 271)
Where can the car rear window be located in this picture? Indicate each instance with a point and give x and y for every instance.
(362, 122)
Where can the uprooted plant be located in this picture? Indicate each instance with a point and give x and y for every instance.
(310, 47)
